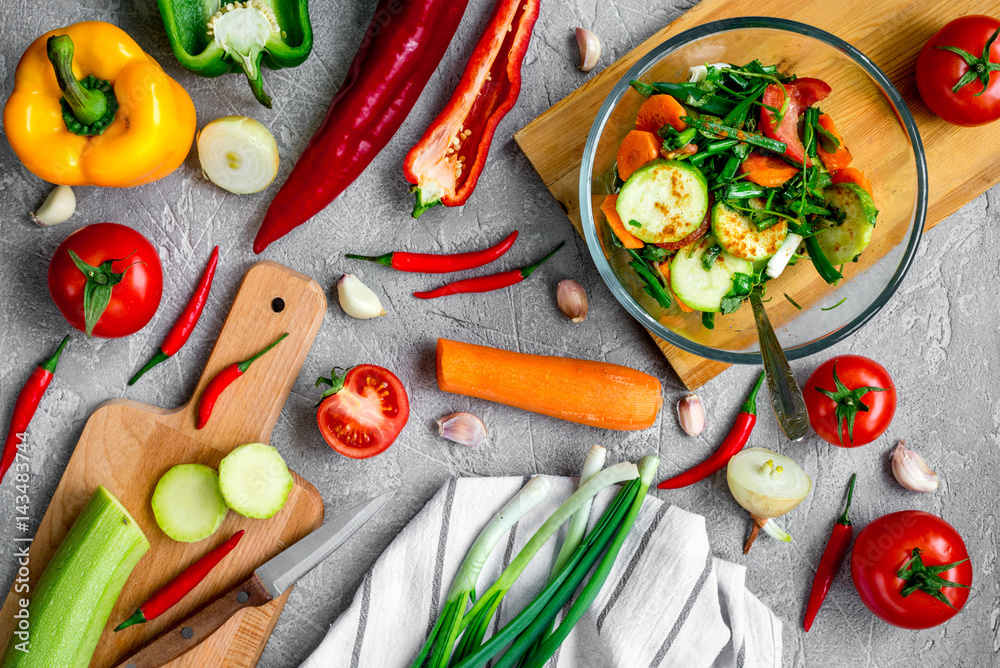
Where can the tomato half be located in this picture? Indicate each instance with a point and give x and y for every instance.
(939, 71)
(859, 381)
(884, 547)
(363, 411)
(134, 299)
(801, 93)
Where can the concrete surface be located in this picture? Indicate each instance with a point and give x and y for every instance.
(938, 336)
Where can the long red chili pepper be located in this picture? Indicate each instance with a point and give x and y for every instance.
(181, 331)
(172, 592)
(224, 379)
(428, 263)
(401, 49)
(446, 163)
(487, 283)
(833, 557)
(733, 443)
(25, 406)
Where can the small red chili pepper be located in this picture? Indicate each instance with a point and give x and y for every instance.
(25, 406)
(167, 596)
(429, 263)
(224, 379)
(446, 163)
(181, 331)
(733, 443)
(399, 52)
(487, 283)
(833, 557)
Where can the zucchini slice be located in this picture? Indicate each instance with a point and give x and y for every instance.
(255, 480)
(703, 289)
(663, 201)
(187, 503)
(73, 598)
(738, 234)
(844, 242)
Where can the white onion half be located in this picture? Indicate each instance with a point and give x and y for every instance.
(238, 154)
(767, 484)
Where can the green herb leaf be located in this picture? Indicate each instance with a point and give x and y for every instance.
(708, 259)
(792, 302)
(830, 308)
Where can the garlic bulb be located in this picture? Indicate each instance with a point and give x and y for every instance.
(691, 415)
(463, 428)
(590, 49)
(57, 207)
(912, 471)
(572, 300)
(357, 299)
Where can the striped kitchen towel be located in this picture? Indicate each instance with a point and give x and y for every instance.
(667, 602)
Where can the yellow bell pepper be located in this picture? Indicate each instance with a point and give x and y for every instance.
(126, 123)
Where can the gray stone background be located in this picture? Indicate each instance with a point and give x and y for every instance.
(938, 336)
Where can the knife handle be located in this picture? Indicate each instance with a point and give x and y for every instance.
(190, 632)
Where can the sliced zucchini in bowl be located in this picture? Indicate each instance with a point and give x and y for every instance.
(663, 201)
(738, 235)
(700, 288)
(844, 241)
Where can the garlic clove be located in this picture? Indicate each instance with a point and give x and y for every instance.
(590, 49)
(572, 300)
(357, 299)
(57, 207)
(691, 415)
(911, 471)
(463, 428)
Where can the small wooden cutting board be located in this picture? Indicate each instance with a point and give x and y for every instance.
(126, 446)
(962, 162)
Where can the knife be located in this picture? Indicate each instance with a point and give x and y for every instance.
(266, 583)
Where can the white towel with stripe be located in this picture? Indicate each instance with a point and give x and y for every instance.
(667, 602)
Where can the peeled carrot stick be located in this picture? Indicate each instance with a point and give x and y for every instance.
(841, 158)
(769, 171)
(598, 394)
(638, 148)
(628, 239)
(660, 110)
(852, 175)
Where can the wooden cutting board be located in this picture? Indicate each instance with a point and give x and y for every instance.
(126, 446)
(962, 162)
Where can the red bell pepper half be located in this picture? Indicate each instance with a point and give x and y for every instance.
(445, 165)
(801, 93)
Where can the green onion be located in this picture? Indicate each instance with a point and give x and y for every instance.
(647, 469)
(490, 600)
(823, 267)
(722, 131)
(792, 302)
(830, 308)
(578, 525)
(463, 589)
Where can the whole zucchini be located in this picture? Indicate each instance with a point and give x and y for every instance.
(73, 598)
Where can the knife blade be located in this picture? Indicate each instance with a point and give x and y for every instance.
(284, 570)
(268, 582)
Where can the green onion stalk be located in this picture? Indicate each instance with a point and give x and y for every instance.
(610, 532)
(477, 619)
(463, 589)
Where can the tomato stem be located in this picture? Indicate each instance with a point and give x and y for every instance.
(927, 578)
(849, 404)
(979, 68)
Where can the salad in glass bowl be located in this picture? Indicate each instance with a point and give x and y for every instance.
(727, 179)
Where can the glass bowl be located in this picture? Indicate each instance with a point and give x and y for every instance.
(876, 126)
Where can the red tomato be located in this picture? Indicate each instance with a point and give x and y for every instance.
(363, 411)
(882, 550)
(133, 263)
(801, 93)
(831, 417)
(939, 71)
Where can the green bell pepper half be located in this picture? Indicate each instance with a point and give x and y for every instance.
(212, 38)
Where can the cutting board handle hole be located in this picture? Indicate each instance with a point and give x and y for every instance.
(277, 304)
